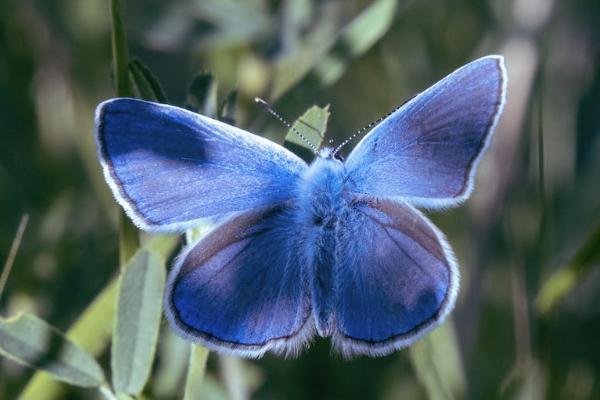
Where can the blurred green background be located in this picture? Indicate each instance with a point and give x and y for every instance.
(527, 321)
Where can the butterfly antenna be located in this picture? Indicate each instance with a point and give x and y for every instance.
(361, 130)
(270, 110)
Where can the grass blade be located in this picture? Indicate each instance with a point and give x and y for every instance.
(12, 254)
(563, 281)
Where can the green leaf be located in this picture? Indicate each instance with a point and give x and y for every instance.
(239, 377)
(171, 371)
(325, 61)
(129, 239)
(355, 39)
(196, 371)
(31, 341)
(312, 125)
(138, 320)
(211, 389)
(145, 83)
(91, 331)
(563, 281)
(228, 108)
(437, 363)
(202, 94)
(94, 327)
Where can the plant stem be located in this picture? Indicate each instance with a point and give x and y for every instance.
(128, 235)
(13, 252)
(107, 393)
(119, 49)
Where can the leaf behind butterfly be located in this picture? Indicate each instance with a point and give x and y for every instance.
(312, 125)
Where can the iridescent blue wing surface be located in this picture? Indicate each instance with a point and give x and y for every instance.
(396, 278)
(242, 289)
(169, 168)
(427, 151)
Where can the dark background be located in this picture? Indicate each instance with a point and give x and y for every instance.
(535, 206)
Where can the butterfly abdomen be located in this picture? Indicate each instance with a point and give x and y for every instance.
(320, 206)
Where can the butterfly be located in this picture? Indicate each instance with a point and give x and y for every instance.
(332, 248)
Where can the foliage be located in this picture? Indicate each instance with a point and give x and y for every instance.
(526, 324)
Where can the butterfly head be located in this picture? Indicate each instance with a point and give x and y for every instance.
(329, 153)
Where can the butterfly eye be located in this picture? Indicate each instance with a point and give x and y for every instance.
(317, 220)
(338, 156)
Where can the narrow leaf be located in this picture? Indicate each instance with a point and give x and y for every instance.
(91, 331)
(173, 352)
(563, 281)
(437, 364)
(196, 371)
(12, 254)
(312, 125)
(145, 82)
(202, 94)
(129, 239)
(93, 328)
(31, 341)
(228, 108)
(137, 323)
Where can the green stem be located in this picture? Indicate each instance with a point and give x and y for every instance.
(13, 252)
(196, 372)
(107, 393)
(119, 49)
(128, 235)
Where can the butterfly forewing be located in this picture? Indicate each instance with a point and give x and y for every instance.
(170, 168)
(427, 152)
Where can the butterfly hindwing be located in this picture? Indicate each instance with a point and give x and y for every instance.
(242, 289)
(396, 278)
(427, 151)
(170, 168)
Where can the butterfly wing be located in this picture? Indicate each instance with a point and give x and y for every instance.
(242, 288)
(427, 151)
(169, 168)
(396, 280)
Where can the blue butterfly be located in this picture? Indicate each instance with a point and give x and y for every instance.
(335, 249)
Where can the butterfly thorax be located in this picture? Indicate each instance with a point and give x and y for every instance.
(321, 207)
(320, 193)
